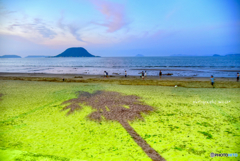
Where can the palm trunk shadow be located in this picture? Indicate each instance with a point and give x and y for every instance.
(153, 154)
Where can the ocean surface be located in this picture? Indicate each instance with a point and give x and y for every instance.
(177, 66)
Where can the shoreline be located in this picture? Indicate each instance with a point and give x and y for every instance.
(113, 76)
(218, 73)
(189, 82)
(176, 69)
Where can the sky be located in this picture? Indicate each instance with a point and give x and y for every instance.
(115, 28)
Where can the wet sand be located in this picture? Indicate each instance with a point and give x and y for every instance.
(194, 82)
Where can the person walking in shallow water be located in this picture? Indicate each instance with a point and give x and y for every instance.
(160, 74)
(237, 77)
(212, 81)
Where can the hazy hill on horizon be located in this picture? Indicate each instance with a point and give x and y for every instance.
(10, 56)
(139, 55)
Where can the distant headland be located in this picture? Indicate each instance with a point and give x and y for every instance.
(232, 55)
(10, 56)
(76, 52)
(227, 55)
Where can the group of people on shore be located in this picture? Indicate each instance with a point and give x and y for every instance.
(142, 74)
(145, 74)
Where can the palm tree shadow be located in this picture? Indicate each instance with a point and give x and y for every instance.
(110, 105)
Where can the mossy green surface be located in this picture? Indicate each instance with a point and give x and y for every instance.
(187, 124)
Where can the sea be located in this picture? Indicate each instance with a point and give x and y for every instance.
(174, 66)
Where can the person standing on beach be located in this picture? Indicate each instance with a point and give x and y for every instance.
(160, 74)
(212, 81)
(142, 75)
(237, 77)
(105, 74)
(125, 73)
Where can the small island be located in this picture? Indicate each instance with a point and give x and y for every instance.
(10, 56)
(216, 55)
(76, 52)
(139, 55)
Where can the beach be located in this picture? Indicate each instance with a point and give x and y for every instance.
(66, 109)
(97, 118)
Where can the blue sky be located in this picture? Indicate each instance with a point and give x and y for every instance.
(120, 27)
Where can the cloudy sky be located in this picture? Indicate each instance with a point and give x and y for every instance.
(120, 27)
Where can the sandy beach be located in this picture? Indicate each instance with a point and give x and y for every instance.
(193, 82)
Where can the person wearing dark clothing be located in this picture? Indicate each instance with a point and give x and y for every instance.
(107, 74)
(160, 74)
(125, 73)
(212, 81)
(237, 77)
(142, 75)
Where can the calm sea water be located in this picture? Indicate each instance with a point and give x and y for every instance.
(178, 66)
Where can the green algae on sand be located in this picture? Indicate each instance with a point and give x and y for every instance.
(172, 129)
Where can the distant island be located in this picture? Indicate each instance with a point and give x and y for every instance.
(139, 55)
(232, 55)
(36, 56)
(227, 55)
(76, 52)
(10, 56)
